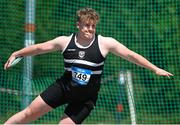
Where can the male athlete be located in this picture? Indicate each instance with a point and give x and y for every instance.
(84, 54)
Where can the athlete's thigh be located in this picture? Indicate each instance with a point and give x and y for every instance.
(38, 106)
(78, 112)
(54, 95)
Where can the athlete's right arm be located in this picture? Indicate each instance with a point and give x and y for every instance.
(41, 48)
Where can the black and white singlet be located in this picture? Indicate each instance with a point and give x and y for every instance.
(83, 67)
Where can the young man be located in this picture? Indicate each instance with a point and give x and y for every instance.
(84, 54)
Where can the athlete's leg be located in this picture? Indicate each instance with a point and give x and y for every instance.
(36, 109)
(76, 113)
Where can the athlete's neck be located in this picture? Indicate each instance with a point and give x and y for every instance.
(82, 41)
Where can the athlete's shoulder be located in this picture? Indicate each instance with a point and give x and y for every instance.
(108, 44)
(105, 43)
(108, 41)
(62, 41)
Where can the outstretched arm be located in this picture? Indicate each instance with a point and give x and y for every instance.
(141, 61)
(122, 51)
(36, 49)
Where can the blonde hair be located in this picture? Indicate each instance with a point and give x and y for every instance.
(87, 14)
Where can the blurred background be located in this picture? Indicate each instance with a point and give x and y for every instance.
(148, 27)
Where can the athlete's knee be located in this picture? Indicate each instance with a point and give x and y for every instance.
(29, 112)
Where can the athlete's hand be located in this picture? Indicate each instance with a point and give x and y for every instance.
(162, 72)
(9, 61)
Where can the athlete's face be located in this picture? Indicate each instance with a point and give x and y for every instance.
(86, 29)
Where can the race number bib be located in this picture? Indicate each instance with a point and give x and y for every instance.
(80, 75)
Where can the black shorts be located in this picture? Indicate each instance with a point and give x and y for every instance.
(55, 95)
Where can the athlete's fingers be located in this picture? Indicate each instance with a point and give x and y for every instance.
(6, 64)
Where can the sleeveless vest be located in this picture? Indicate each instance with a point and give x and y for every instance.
(83, 66)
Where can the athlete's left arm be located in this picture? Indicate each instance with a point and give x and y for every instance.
(122, 51)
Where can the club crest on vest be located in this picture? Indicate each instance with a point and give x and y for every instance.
(81, 54)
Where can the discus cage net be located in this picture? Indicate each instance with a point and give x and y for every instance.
(148, 27)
